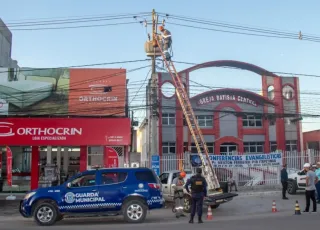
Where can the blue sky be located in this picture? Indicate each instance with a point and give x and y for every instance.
(52, 48)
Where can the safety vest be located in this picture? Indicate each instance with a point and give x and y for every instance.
(197, 184)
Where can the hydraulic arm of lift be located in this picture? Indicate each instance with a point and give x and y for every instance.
(208, 170)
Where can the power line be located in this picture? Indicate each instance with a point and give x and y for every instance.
(77, 27)
(73, 21)
(50, 19)
(256, 31)
(77, 66)
(228, 67)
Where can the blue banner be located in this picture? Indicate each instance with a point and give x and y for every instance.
(240, 161)
(155, 164)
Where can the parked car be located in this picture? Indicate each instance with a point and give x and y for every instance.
(296, 181)
(219, 197)
(130, 192)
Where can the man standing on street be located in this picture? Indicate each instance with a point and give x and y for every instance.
(198, 192)
(178, 183)
(284, 181)
(311, 180)
(318, 184)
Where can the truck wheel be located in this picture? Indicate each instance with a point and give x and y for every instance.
(134, 211)
(292, 188)
(45, 213)
(215, 206)
(187, 204)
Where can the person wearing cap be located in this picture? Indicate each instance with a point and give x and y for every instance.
(318, 184)
(178, 184)
(198, 192)
(311, 180)
(167, 41)
(284, 181)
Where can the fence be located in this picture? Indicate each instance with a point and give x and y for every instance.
(252, 176)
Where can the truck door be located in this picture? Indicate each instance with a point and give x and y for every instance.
(164, 179)
(81, 194)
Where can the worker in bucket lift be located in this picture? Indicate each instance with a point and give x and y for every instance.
(198, 192)
(178, 184)
(167, 40)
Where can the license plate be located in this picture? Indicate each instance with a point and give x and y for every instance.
(219, 201)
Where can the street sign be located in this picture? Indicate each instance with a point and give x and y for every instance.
(155, 164)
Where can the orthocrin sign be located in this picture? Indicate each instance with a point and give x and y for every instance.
(72, 131)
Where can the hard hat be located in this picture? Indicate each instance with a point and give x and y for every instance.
(306, 165)
(183, 174)
(161, 28)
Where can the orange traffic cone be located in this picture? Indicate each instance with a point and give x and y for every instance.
(274, 207)
(209, 213)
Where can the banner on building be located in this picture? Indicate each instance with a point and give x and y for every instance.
(111, 158)
(240, 161)
(9, 166)
(62, 91)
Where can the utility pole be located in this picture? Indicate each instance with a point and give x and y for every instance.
(153, 95)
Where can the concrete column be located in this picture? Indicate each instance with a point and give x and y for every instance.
(59, 162)
(65, 160)
(49, 155)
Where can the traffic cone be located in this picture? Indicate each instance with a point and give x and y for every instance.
(209, 213)
(297, 210)
(274, 207)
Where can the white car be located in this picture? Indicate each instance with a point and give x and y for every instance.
(296, 181)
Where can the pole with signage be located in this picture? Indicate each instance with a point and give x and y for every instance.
(9, 172)
(155, 164)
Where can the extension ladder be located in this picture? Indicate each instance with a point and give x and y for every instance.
(208, 170)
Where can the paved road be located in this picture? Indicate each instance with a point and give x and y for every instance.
(258, 222)
(242, 211)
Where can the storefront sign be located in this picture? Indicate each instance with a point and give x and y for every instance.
(241, 161)
(111, 157)
(59, 131)
(9, 166)
(223, 97)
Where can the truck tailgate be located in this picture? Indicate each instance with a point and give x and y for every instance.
(219, 198)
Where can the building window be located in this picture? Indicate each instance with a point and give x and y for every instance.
(205, 120)
(288, 92)
(272, 121)
(273, 146)
(253, 147)
(291, 146)
(209, 145)
(252, 121)
(168, 147)
(168, 119)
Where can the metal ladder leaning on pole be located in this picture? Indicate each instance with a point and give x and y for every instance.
(208, 170)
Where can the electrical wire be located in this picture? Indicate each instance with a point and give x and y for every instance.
(257, 31)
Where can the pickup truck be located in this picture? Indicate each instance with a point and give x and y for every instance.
(221, 196)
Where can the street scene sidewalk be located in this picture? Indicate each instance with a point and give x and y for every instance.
(242, 207)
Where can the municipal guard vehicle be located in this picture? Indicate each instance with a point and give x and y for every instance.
(130, 192)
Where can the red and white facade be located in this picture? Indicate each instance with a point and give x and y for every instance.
(233, 120)
(107, 134)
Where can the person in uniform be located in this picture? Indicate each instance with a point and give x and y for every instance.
(178, 184)
(167, 41)
(198, 192)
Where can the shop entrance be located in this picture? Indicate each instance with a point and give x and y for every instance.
(34, 167)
